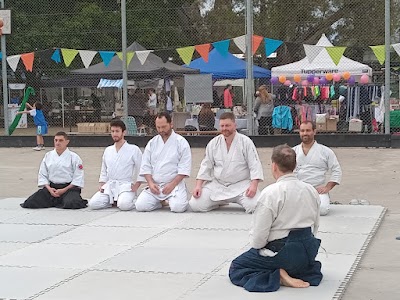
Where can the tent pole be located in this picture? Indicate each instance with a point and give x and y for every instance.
(387, 67)
(249, 66)
(124, 60)
(62, 107)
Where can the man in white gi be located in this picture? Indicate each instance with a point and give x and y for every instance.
(60, 178)
(120, 166)
(167, 160)
(314, 161)
(282, 237)
(230, 171)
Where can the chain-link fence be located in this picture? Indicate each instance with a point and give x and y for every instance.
(299, 75)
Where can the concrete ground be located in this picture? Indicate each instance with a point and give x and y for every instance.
(370, 174)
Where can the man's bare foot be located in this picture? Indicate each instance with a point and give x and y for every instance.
(165, 203)
(286, 280)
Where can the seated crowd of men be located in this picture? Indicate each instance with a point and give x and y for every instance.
(285, 214)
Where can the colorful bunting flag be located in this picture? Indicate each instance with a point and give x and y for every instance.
(335, 53)
(396, 48)
(87, 57)
(222, 47)
(13, 61)
(186, 54)
(68, 55)
(203, 50)
(379, 52)
(56, 56)
(28, 59)
(271, 45)
(142, 55)
(312, 51)
(256, 42)
(240, 42)
(106, 56)
(129, 56)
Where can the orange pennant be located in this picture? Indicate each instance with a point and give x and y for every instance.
(256, 42)
(203, 50)
(27, 59)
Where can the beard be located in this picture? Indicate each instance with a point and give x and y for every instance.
(117, 138)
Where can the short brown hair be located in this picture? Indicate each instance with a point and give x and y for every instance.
(314, 126)
(227, 115)
(118, 123)
(62, 133)
(165, 115)
(284, 157)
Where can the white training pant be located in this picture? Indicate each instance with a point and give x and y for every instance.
(325, 203)
(204, 202)
(125, 201)
(177, 203)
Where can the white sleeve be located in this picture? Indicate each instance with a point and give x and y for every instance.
(185, 161)
(103, 172)
(43, 176)
(146, 167)
(207, 165)
(253, 161)
(137, 160)
(334, 167)
(78, 176)
(32, 112)
(263, 217)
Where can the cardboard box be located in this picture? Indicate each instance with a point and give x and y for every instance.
(331, 123)
(321, 127)
(101, 127)
(83, 127)
(355, 125)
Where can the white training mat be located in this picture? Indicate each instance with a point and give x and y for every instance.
(109, 254)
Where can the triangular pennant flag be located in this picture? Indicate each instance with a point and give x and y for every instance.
(240, 42)
(335, 53)
(142, 55)
(13, 61)
(396, 68)
(27, 59)
(203, 50)
(129, 56)
(312, 51)
(256, 42)
(396, 48)
(68, 55)
(56, 56)
(186, 54)
(222, 47)
(271, 46)
(106, 56)
(87, 57)
(379, 52)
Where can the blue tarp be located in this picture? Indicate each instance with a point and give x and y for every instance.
(226, 67)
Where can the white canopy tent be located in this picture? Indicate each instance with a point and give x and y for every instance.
(322, 64)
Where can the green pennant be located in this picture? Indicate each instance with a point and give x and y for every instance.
(69, 55)
(379, 52)
(335, 53)
(186, 54)
(129, 56)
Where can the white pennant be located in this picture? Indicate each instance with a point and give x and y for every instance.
(396, 48)
(13, 61)
(240, 41)
(87, 57)
(142, 55)
(312, 51)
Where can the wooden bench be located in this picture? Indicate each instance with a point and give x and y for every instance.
(186, 132)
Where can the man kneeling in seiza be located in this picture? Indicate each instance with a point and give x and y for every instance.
(119, 180)
(167, 160)
(282, 236)
(60, 178)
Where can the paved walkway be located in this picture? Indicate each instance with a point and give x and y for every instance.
(371, 174)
